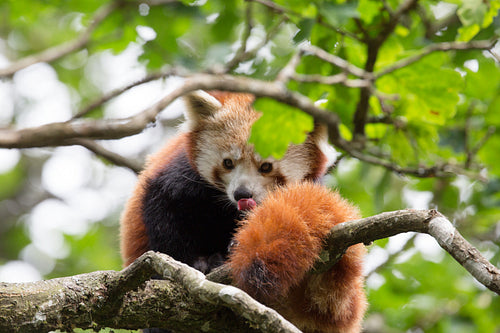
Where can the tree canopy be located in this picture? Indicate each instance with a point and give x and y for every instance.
(409, 89)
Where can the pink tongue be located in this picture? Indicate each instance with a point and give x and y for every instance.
(246, 204)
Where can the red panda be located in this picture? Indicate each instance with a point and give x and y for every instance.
(192, 194)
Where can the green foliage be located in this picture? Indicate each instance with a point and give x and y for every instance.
(441, 109)
(289, 125)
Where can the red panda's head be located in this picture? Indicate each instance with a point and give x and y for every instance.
(219, 126)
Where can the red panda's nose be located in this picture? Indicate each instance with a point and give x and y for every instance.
(242, 193)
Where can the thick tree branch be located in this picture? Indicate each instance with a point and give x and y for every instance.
(373, 47)
(52, 134)
(57, 134)
(187, 301)
(184, 301)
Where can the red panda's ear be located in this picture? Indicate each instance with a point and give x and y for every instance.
(319, 136)
(200, 105)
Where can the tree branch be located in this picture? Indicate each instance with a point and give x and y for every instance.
(286, 11)
(373, 47)
(242, 54)
(106, 154)
(445, 46)
(425, 221)
(187, 301)
(331, 80)
(337, 61)
(117, 92)
(440, 170)
(59, 51)
(55, 133)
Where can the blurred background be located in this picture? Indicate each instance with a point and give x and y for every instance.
(60, 206)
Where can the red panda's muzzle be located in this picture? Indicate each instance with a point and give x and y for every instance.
(246, 204)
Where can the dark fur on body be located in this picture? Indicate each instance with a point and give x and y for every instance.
(186, 217)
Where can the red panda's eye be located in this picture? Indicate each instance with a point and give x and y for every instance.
(266, 167)
(228, 163)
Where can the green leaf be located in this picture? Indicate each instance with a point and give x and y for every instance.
(472, 12)
(390, 51)
(369, 9)
(485, 82)
(278, 126)
(493, 12)
(305, 27)
(474, 15)
(465, 34)
(338, 14)
(429, 91)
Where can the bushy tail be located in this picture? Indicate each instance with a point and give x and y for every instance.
(277, 246)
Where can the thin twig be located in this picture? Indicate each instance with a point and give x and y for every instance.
(445, 46)
(249, 54)
(103, 99)
(483, 140)
(438, 170)
(247, 30)
(288, 71)
(286, 11)
(388, 8)
(495, 55)
(341, 78)
(337, 61)
(467, 128)
(392, 256)
(107, 154)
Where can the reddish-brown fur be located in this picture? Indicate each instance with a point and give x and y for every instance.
(276, 248)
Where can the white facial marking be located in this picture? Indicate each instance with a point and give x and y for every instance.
(245, 174)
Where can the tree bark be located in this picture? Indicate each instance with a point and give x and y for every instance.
(186, 301)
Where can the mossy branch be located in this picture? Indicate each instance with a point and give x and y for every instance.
(186, 300)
